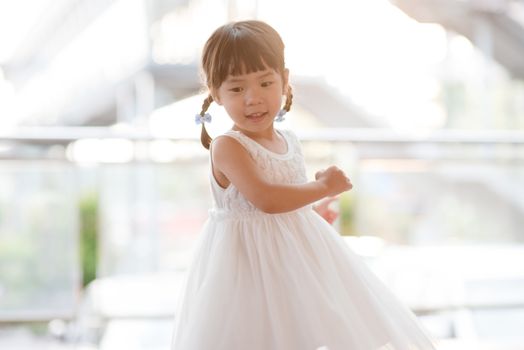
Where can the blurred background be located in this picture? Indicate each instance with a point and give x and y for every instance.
(104, 184)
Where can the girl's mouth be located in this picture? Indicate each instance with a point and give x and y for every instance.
(256, 116)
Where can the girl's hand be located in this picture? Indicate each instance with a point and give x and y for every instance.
(334, 179)
(325, 211)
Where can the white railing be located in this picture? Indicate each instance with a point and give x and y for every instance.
(366, 135)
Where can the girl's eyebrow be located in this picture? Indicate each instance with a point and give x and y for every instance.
(238, 80)
(265, 75)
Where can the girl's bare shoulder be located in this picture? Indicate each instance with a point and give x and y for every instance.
(227, 148)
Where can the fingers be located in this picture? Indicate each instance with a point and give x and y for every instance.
(350, 185)
(332, 217)
(339, 172)
(329, 170)
(336, 180)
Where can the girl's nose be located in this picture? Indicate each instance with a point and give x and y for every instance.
(252, 97)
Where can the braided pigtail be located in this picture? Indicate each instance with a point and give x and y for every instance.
(204, 136)
(289, 99)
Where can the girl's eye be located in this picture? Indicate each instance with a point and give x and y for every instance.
(236, 89)
(267, 83)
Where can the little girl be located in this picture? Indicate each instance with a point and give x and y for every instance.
(269, 272)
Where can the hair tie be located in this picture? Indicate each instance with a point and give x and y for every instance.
(280, 115)
(201, 119)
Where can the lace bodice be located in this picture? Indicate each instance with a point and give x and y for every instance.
(286, 168)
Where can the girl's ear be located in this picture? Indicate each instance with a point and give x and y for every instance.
(285, 82)
(216, 98)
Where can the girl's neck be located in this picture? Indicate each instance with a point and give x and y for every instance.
(267, 134)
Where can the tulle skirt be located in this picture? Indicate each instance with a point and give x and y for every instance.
(286, 282)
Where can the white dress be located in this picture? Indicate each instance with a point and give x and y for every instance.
(284, 281)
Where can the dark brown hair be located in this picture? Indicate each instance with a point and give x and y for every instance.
(240, 48)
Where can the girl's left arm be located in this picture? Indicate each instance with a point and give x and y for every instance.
(323, 209)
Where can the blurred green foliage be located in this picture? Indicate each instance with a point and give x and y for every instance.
(36, 259)
(88, 237)
(347, 214)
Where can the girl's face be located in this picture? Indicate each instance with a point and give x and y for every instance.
(253, 100)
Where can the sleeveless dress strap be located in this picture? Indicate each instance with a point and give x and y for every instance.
(249, 144)
(242, 139)
(293, 141)
(255, 149)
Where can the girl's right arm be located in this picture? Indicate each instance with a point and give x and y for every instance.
(233, 160)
